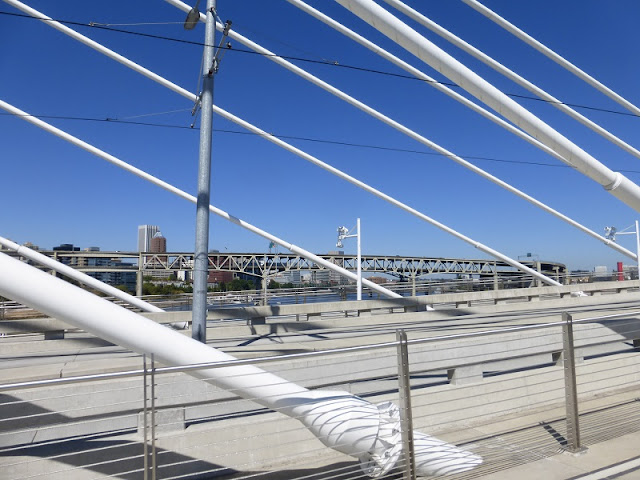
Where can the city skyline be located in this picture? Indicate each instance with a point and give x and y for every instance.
(74, 247)
(274, 190)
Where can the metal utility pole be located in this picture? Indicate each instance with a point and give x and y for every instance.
(201, 254)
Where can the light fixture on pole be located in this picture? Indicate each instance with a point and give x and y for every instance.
(611, 232)
(344, 232)
(193, 17)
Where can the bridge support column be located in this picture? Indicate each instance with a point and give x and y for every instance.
(139, 278)
(264, 289)
(413, 284)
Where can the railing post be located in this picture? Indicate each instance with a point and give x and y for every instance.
(145, 447)
(154, 466)
(406, 419)
(571, 391)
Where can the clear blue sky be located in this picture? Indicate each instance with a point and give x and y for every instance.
(52, 192)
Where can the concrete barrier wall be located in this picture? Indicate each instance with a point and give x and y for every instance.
(255, 316)
(457, 388)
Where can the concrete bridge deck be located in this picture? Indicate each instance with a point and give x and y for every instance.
(522, 440)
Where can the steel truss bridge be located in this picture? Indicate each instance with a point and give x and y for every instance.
(266, 264)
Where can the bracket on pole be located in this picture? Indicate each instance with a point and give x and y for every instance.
(215, 65)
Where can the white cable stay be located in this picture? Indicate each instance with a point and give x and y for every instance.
(614, 182)
(417, 73)
(403, 129)
(477, 108)
(182, 194)
(192, 97)
(511, 75)
(552, 55)
(77, 275)
(340, 420)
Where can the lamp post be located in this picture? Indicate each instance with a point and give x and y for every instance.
(611, 232)
(344, 232)
(201, 253)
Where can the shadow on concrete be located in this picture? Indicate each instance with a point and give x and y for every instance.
(116, 458)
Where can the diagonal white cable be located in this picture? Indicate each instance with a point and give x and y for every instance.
(182, 194)
(552, 55)
(482, 111)
(78, 275)
(417, 73)
(123, 60)
(614, 182)
(511, 75)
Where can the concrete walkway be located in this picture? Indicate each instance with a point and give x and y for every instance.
(618, 458)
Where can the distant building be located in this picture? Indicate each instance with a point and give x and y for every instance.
(219, 276)
(292, 276)
(158, 243)
(145, 234)
(601, 273)
(336, 278)
(321, 277)
(31, 246)
(66, 247)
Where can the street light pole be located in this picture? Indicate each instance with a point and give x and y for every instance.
(638, 247)
(201, 255)
(611, 232)
(344, 232)
(359, 273)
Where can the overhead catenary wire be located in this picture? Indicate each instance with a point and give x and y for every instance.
(414, 135)
(166, 186)
(511, 75)
(330, 63)
(233, 118)
(121, 120)
(510, 27)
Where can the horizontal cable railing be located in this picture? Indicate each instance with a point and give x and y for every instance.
(497, 393)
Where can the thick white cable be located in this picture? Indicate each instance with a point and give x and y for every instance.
(340, 420)
(418, 74)
(170, 188)
(140, 173)
(100, 48)
(614, 182)
(482, 111)
(511, 75)
(77, 275)
(552, 55)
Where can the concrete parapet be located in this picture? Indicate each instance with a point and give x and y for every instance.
(465, 375)
(167, 420)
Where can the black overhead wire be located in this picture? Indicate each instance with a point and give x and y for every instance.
(308, 60)
(304, 139)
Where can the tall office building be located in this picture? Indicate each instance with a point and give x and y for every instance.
(145, 234)
(158, 243)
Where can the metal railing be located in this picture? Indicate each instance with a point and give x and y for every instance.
(511, 395)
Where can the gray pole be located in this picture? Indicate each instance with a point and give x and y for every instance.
(201, 255)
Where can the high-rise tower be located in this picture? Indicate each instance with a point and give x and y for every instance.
(145, 234)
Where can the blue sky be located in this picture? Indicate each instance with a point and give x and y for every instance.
(52, 192)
